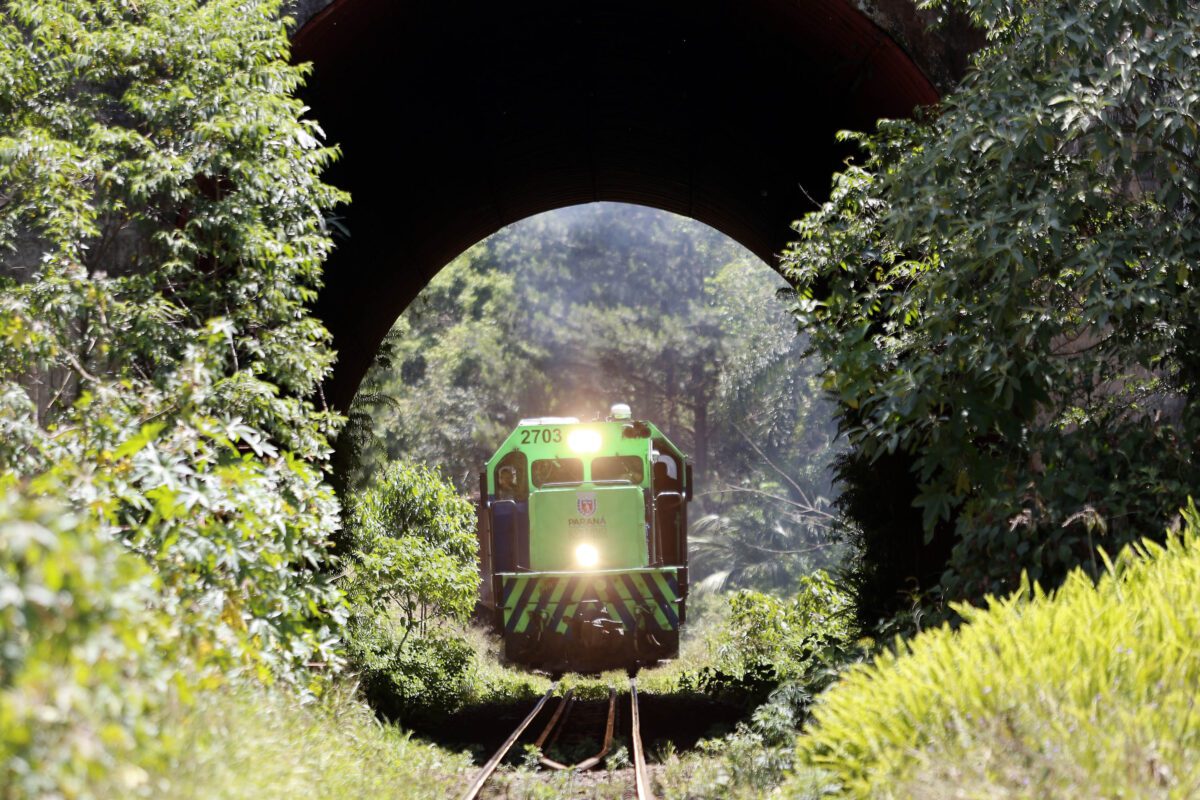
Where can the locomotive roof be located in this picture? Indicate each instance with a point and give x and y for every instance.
(551, 437)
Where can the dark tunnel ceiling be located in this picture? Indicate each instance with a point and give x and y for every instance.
(458, 118)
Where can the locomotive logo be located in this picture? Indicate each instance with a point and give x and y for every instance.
(586, 503)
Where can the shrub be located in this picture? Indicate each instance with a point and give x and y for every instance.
(415, 545)
(1086, 692)
(410, 680)
(413, 570)
(84, 657)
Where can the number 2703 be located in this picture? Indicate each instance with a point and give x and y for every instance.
(541, 435)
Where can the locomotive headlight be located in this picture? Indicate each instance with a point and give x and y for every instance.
(587, 555)
(584, 440)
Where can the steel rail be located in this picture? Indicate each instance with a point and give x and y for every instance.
(565, 719)
(639, 757)
(591, 761)
(490, 767)
(563, 702)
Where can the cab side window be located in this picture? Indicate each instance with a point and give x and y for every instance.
(666, 474)
(510, 481)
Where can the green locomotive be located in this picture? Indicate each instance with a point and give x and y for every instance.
(583, 543)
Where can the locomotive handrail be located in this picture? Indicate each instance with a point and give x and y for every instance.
(493, 503)
(605, 482)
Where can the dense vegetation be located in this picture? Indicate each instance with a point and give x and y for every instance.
(161, 239)
(164, 523)
(412, 571)
(1003, 296)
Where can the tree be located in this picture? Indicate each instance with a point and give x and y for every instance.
(414, 548)
(462, 344)
(412, 572)
(161, 219)
(1003, 294)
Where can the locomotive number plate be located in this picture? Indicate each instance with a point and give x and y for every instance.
(541, 436)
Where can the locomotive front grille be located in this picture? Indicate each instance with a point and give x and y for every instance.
(548, 602)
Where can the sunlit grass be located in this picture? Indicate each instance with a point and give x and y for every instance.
(259, 744)
(1089, 692)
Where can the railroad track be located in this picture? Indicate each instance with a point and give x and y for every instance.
(558, 727)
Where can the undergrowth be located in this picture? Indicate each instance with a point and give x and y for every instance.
(252, 743)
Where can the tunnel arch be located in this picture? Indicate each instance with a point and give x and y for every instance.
(458, 118)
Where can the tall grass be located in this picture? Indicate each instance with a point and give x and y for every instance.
(1088, 692)
(260, 744)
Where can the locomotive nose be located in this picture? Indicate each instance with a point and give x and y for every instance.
(600, 527)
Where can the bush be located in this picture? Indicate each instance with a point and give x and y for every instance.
(413, 570)
(1086, 692)
(768, 642)
(85, 657)
(414, 548)
(411, 680)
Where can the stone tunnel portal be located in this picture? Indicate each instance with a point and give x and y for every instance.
(457, 118)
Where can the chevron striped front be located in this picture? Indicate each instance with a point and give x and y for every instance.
(549, 599)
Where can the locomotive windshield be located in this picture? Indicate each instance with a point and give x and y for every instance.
(618, 468)
(557, 470)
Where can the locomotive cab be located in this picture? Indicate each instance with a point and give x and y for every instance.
(583, 543)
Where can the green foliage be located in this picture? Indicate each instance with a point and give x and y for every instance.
(414, 548)
(84, 653)
(1086, 692)
(446, 390)
(791, 648)
(1003, 294)
(162, 230)
(106, 691)
(410, 679)
(413, 571)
